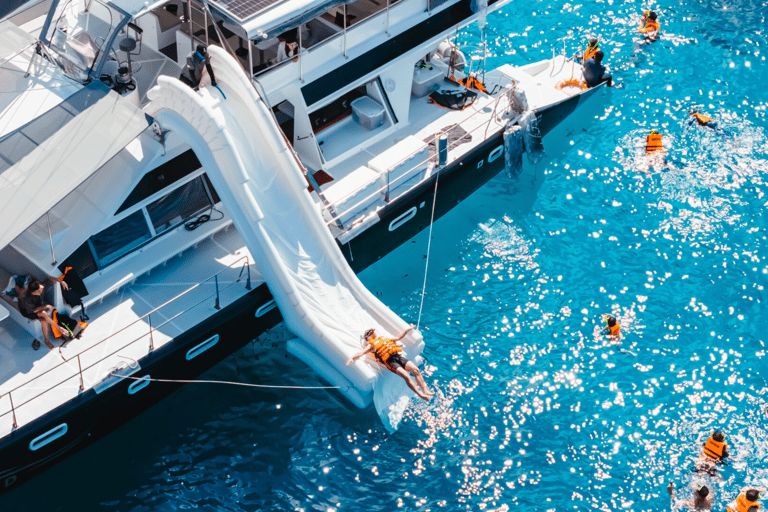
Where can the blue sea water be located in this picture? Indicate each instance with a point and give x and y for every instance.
(534, 411)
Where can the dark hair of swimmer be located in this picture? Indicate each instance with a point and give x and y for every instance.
(753, 495)
(652, 16)
(703, 491)
(718, 436)
(598, 56)
(368, 333)
(610, 320)
(592, 42)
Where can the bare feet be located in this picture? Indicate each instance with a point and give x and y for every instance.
(49, 345)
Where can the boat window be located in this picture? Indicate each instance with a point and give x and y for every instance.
(149, 221)
(120, 238)
(163, 176)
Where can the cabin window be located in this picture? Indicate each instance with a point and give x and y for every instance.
(285, 115)
(149, 220)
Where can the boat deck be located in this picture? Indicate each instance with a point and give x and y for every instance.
(119, 331)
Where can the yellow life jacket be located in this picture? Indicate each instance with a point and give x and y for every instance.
(714, 450)
(653, 143)
(650, 26)
(743, 505)
(701, 118)
(383, 348)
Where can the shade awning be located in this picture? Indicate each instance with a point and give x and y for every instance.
(44, 160)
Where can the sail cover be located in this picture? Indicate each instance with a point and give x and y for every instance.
(44, 160)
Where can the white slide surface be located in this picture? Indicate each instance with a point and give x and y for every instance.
(263, 188)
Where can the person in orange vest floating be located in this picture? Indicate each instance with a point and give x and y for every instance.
(653, 143)
(702, 498)
(746, 501)
(715, 452)
(612, 328)
(703, 120)
(649, 25)
(388, 353)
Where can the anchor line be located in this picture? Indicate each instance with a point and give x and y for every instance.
(429, 244)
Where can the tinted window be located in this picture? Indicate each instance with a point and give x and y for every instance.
(165, 175)
(120, 238)
(176, 207)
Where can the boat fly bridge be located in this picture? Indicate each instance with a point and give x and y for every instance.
(191, 217)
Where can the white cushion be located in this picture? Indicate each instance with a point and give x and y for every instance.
(403, 162)
(353, 194)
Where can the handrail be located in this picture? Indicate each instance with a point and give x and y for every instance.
(335, 216)
(245, 266)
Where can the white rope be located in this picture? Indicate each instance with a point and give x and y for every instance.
(244, 384)
(429, 244)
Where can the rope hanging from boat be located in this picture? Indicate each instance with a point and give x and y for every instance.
(243, 384)
(429, 244)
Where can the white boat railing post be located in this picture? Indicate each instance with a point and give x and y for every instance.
(13, 410)
(301, 62)
(250, 59)
(191, 28)
(205, 21)
(151, 339)
(387, 30)
(80, 367)
(345, 30)
(50, 239)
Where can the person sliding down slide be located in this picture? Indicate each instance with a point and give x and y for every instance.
(388, 353)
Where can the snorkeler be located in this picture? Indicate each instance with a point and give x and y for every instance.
(649, 26)
(702, 498)
(715, 452)
(612, 328)
(589, 52)
(747, 501)
(655, 155)
(389, 354)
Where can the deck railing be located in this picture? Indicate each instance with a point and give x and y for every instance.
(384, 189)
(36, 383)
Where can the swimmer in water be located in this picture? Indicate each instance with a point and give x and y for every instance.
(650, 26)
(612, 329)
(715, 452)
(747, 501)
(702, 498)
(655, 155)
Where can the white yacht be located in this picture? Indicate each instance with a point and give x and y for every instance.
(191, 220)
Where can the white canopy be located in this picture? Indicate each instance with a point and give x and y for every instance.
(44, 160)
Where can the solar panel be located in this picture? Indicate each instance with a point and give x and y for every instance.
(243, 9)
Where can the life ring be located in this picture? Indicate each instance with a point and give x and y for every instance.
(571, 83)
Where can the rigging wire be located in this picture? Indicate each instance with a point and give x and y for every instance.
(429, 244)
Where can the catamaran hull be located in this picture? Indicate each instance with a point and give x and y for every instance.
(35, 446)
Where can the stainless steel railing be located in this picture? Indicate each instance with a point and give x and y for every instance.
(336, 215)
(36, 384)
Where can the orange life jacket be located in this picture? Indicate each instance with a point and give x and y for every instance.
(701, 118)
(383, 348)
(588, 54)
(60, 330)
(653, 143)
(714, 449)
(650, 26)
(473, 83)
(743, 505)
(615, 330)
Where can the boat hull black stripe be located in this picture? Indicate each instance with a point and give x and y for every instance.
(385, 53)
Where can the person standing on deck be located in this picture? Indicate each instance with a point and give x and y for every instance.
(389, 354)
(197, 62)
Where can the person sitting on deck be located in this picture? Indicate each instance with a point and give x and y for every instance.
(746, 501)
(388, 353)
(612, 328)
(594, 71)
(197, 62)
(702, 498)
(31, 306)
(649, 25)
(592, 49)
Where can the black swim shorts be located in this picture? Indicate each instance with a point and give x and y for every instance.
(396, 361)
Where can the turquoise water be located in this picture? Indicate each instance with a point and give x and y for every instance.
(534, 412)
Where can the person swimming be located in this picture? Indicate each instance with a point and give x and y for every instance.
(650, 26)
(702, 498)
(715, 452)
(612, 328)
